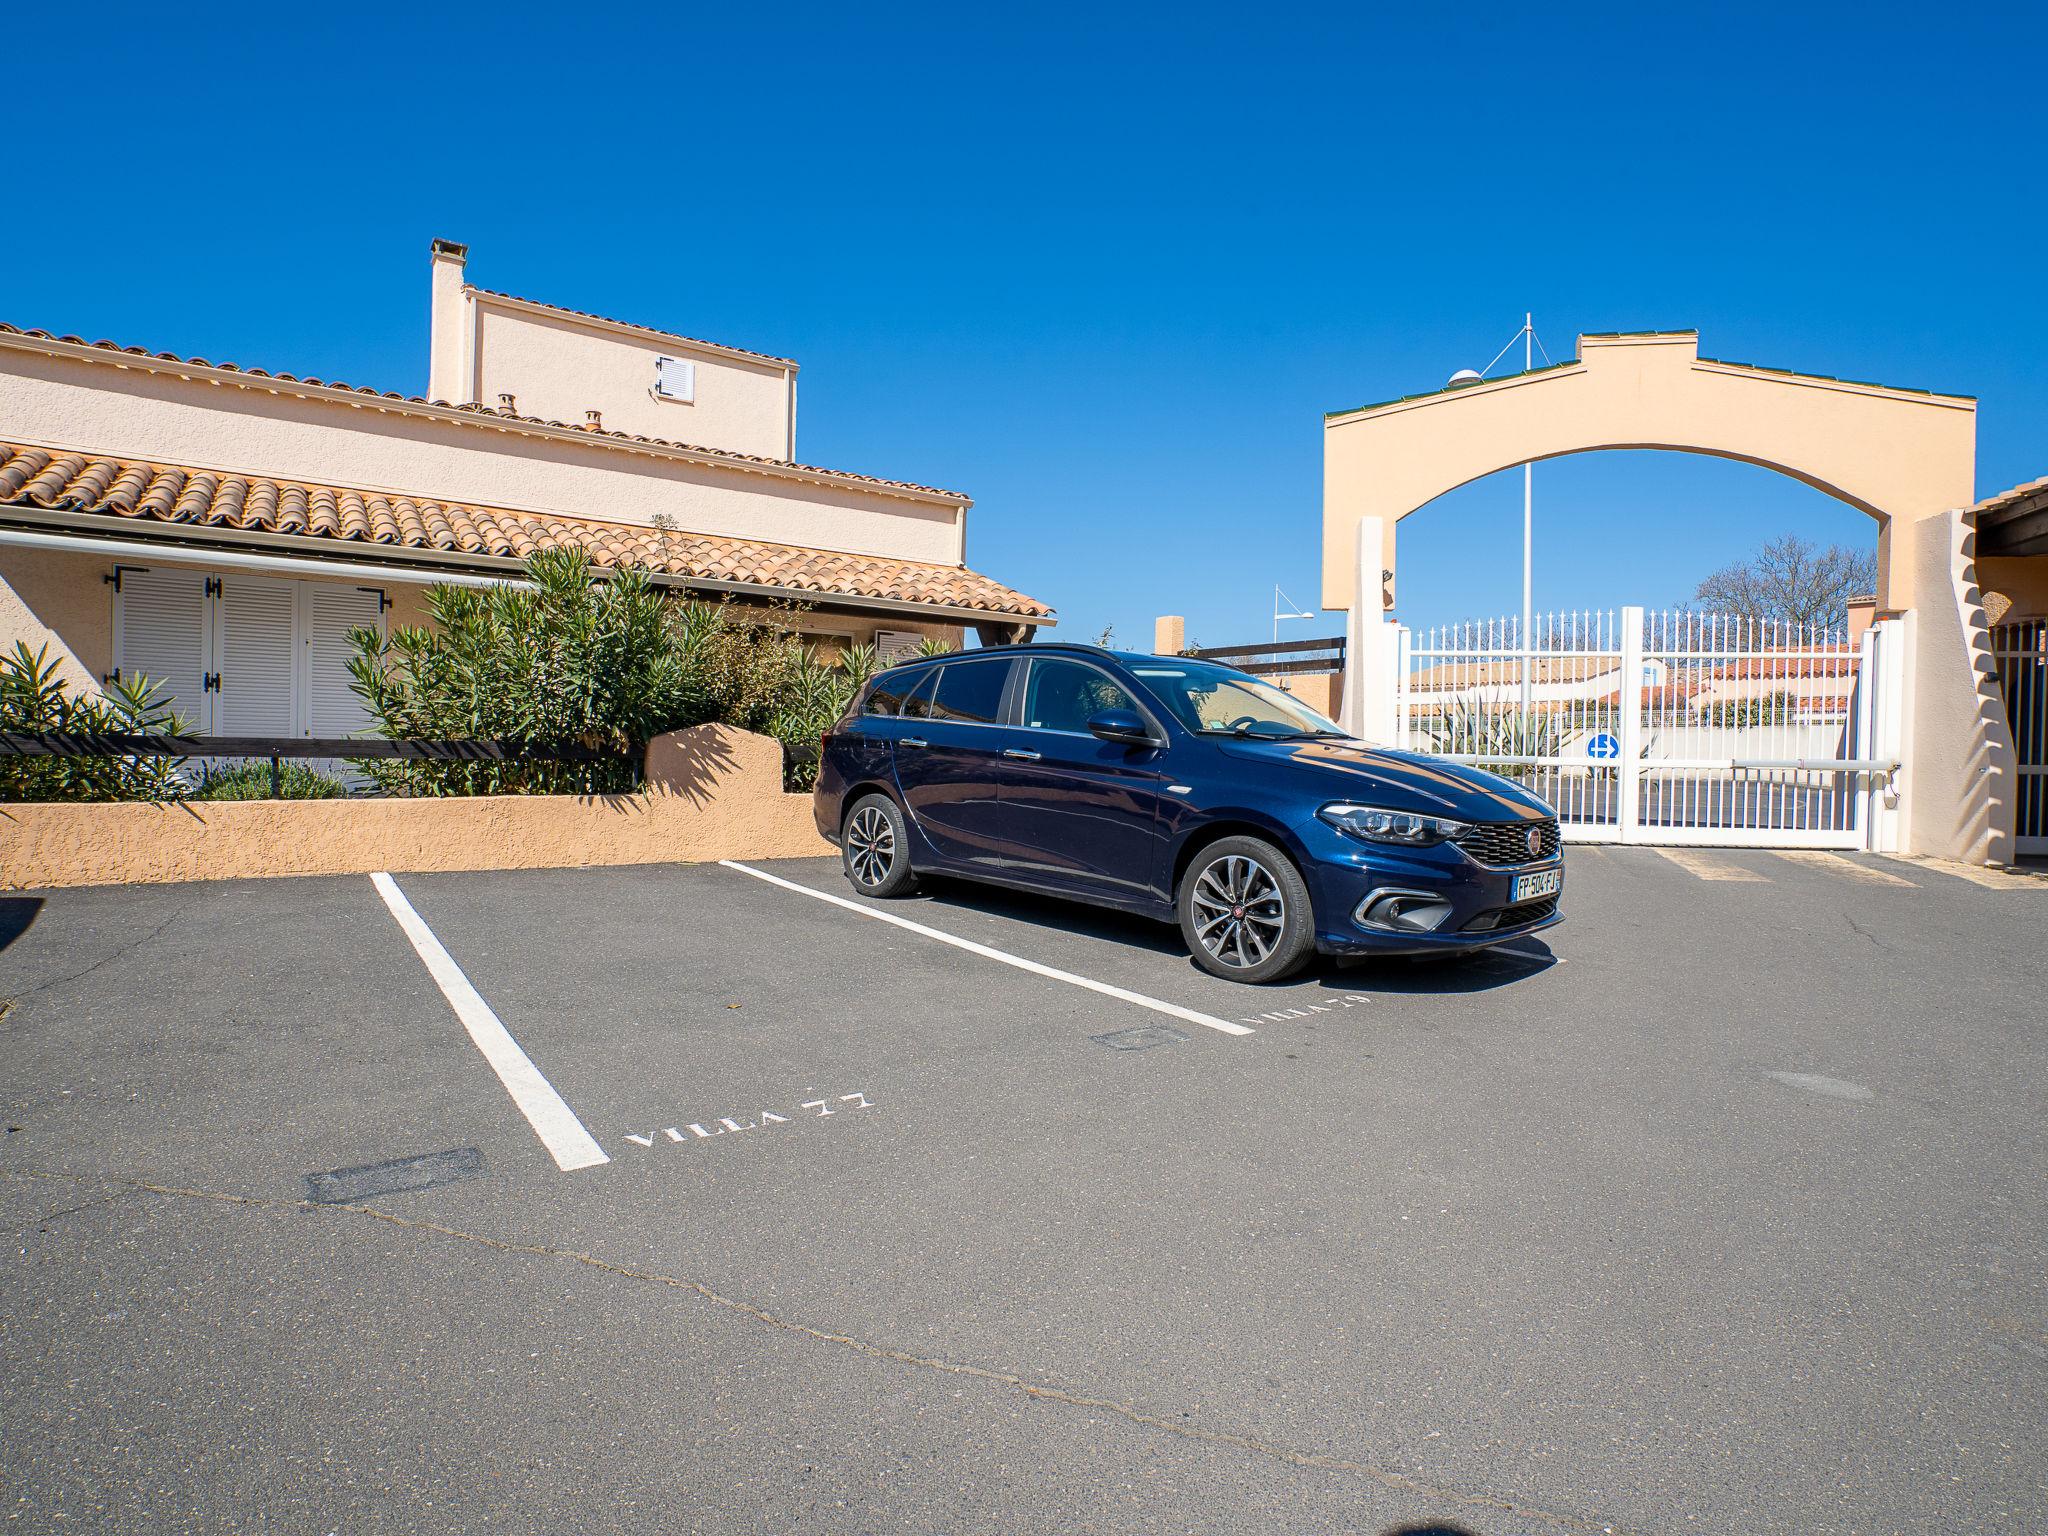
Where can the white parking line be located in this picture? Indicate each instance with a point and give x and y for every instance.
(1172, 1010)
(553, 1121)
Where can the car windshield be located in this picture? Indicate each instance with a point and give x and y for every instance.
(1218, 701)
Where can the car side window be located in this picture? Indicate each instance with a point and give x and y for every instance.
(918, 705)
(886, 697)
(971, 692)
(1061, 695)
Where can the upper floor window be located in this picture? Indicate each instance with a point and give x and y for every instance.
(675, 379)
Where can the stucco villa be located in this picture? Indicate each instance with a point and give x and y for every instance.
(221, 528)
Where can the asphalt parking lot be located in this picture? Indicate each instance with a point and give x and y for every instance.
(1718, 1208)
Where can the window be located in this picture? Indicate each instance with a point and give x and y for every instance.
(894, 645)
(1218, 701)
(1062, 695)
(971, 691)
(676, 380)
(918, 706)
(886, 697)
(246, 655)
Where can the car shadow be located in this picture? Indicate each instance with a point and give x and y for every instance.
(1484, 971)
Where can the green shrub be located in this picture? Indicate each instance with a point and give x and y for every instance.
(606, 661)
(34, 699)
(251, 781)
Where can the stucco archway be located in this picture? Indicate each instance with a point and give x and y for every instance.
(1905, 457)
(1899, 455)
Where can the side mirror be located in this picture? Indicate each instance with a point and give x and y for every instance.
(1124, 725)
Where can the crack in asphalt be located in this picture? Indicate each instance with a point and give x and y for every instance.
(1398, 1482)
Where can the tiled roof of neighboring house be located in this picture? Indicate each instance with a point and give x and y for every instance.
(493, 413)
(634, 325)
(128, 491)
(1488, 674)
(1825, 660)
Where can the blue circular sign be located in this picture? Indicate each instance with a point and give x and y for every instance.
(1603, 746)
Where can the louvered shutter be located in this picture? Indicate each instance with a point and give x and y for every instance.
(254, 654)
(331, 612)
(894, 645)
(160, 634)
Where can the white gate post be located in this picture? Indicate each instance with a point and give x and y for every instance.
(1629, 780)
(1368, 670)
(1402, 642)
(1886, 682)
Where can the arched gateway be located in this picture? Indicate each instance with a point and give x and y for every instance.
(1905, 457)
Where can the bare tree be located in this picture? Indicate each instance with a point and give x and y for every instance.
(1791, 581)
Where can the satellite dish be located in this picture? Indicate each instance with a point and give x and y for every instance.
(1465, 376)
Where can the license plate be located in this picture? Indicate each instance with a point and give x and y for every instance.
(1546, 882)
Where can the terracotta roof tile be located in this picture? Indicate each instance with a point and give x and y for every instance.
(2013, 497)
(492, 413)
(160, 493)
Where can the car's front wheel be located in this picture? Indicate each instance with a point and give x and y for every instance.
(874, 848)
(1244, 911)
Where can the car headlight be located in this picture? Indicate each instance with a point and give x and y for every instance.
(1373, 825)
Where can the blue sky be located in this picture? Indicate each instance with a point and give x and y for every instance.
(1105, 269)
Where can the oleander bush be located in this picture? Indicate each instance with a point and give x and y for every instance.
(601, 659)
(35, 699)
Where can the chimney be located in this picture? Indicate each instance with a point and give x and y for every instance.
(507, 406)
(593, 421)
(449, 360)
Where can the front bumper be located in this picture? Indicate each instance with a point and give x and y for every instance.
(1343, 872)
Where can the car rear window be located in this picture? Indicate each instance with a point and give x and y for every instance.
(970, 691)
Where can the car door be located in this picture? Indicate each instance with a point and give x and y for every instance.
(1081, 814)
(948, 753)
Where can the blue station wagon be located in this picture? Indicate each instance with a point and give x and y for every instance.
(1183, 791)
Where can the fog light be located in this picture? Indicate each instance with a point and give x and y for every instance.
(1407, 911)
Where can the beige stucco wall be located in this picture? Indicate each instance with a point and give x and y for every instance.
(1895, 454)
(1961, 776)
(714, 793)
(47, 596)
(82, 399)
(560, 367)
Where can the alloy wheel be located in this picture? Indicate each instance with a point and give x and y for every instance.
(1239, 911)
(870, 845)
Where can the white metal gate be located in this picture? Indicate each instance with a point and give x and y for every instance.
(2019, 652)
(1666, 727)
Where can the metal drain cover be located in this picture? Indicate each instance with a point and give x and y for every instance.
(1142, 1039)
(345, 1185)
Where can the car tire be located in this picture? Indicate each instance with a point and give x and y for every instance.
(1245, 912)
(874, 848)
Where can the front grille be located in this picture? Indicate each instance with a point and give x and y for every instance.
(1513, 917)
(1507, 842)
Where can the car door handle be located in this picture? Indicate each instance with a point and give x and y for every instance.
(912, 741)
(1018, 752)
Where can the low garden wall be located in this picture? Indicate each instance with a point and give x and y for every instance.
(712, 793)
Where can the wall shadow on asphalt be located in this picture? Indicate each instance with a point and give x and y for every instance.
(1482, 972)
(16, 914)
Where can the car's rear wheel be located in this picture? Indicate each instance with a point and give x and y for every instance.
(1244, 911)
(874, 848)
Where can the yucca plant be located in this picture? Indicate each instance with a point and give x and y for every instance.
(34, 699)
(1493, 732)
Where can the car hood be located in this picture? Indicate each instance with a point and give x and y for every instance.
(1398, 781)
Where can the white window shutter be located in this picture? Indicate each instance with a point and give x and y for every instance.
(160, 633)
(332, 708)
(254, 655)
(675, 379)
(893, 645)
